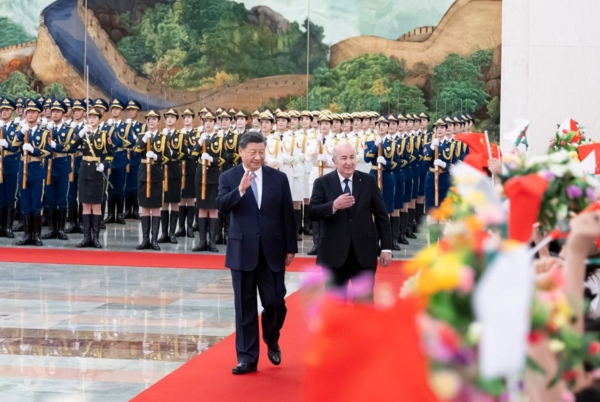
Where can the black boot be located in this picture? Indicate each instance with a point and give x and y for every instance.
(120, 204)
(420, 213)
(298, 214)
(128, 207)
(212, 235)
(45, 216)
(315, 235)
(201, 246)
(37, 230)
(52, 224)
(86, 221)
(62, 220)
(10, 216)
(80, 214)
(135, 206)
(181, 232)
(19, 218)
(73, 216)
(307, 226)
(395, 221)
(195, 226)
(409, 227)
(403, 223)
(164, 223)
(111, 211)
(27, 238)
(3, 222)
(96, 219)
(172, 226)
(219, 231)
(145, 245)
(190, 212)
(155, 226)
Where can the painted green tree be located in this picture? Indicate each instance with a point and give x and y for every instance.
(17, 86)
(12, 33)
(55, 91)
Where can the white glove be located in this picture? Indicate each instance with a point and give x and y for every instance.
(440, 163)
(287, 159)
(152, 155)
(320, 137)
(378, 141)
(1, 123)
(84, 131)
(110, 122)
(270, 161)
(44, 121)
(27, 147)
(322, 158)
(165, 131)
(17, 121)
(50, 125)
(147, 136)
(24, 129)
(207, 157)
(184, 130)
(388, 137)
(381, 160)
(299, 158)
(3, 143)
(53, 144)
(435, 143)
(128, 121)
(100, 168)
(73, 125)
(203, 138)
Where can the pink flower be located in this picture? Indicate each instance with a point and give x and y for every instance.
(591, 194)
(467, 279)
(573, 191)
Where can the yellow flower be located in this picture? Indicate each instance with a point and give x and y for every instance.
(445, 384)
(422, 260)
(444, 274)
(562, 313)
(556, 346)
(476, 198)
(574, 155)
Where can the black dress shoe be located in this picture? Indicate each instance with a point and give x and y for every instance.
(410, 234)
(402, 239)
(396, 246)
(275, 356)
(312, 251)
(245, 368)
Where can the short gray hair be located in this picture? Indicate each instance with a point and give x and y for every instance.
(340, 144)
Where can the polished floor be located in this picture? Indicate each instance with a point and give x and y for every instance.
(96, 333)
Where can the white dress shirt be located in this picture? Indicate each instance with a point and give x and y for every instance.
(259, 184)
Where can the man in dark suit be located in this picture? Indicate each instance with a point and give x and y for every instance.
(350, 208)
(262, 242)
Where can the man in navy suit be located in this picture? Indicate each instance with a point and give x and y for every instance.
(262, 242)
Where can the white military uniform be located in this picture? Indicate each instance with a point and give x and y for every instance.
(293, 163)
(273, 157)
(315, 153)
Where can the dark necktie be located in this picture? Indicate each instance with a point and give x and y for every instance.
(347, 187)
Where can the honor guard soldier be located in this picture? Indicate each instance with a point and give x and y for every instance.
(117, 176)
(63, 140)
(438, 167)
(427, 137)
(153, 146)
(320, 153)
(9, 166)
(293, 165)
(173, 174)
(47, 106)
(187, 207)
(381, 154)
(398, 172)
(209, 155)
(20, 104)
(307, 134)
(35, 145)
(68, 116)
(294, 120)
(273, 157)
(75, 210)
(135, 130)
(96, 152)
(101, 106)
(241, 124)
(232, 159)
(315, 121)
(255, 120)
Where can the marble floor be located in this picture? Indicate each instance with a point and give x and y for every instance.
(127, 237)
(98, 333)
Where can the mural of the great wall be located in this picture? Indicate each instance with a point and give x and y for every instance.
(436, 55)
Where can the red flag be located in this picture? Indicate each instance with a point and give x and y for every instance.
(476, 142)
(525, 194)
(496, 151)
(585, 150)
(362, 353)
(477, 161)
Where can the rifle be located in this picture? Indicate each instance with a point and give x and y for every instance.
(379, 170)
(148, 168)
(1, 157)
(72, 174)
(204, 170)
(183, 175)
(25, 161)
(437, 178)
(49, 173)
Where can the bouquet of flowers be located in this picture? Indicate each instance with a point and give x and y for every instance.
(569, 191)
(569, 137)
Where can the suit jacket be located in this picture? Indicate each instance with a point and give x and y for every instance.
(272, 227)
(354, 225)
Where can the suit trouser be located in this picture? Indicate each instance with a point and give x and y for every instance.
(57, 192)
(8, 191)
(271, 287)
(363, 279)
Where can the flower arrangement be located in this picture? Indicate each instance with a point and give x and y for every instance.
(569, 191)
(569, 137)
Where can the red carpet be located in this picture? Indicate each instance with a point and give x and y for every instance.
(208, 377)
(127, 258)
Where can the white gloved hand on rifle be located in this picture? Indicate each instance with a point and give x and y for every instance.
(27, 147)
(84, 131)
(147, 136)
(435, 143)
(381, 159)
(100, 168)
(207, 157)
(151, 155)
(440, 163)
